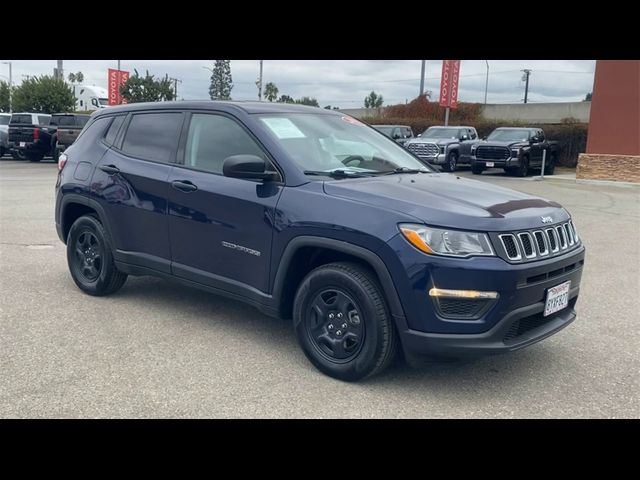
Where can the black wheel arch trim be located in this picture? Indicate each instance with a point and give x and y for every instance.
(74, 198)
(362, 253)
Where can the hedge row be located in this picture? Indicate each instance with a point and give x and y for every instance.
(572, 137)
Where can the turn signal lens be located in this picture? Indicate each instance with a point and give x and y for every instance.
(62, 161)
(415, 240)
(440, 292)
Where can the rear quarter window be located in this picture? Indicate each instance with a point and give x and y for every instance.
(85, 144)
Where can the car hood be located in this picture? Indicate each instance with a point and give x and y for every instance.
(499, 143)
(437, 141)
(447, 200)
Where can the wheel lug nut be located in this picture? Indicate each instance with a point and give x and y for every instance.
(338, 332)
(330, 327)
(344, 325)
(331, 316)
(339, 315)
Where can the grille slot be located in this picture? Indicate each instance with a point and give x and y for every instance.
(524, 325)
(461, 307)
(510, 246)
(541, 242)
(527, 244)
(554, 273)
(553, 240)
(492, 153)
(429, 150)
(569, 233)
(562, 240)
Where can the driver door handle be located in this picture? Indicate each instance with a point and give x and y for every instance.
(184, 186)
(110, 169)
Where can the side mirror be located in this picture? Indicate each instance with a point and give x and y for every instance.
(533, 140)
(419, 135)
(247, 166)
(464, 137)
(484, 139)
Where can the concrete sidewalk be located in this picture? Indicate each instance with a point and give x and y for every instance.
(569, 175)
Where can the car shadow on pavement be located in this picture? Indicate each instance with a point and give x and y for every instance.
(482, 374)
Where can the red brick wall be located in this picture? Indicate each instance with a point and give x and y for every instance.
(620, 168)
(614, 126)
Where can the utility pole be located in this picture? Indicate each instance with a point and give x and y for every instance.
(486, 84)
(260, 83)
(175, 88)
(59, 71)
(527, 72)
(424, 63)
(10, 86)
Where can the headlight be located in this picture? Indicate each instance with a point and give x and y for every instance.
(452, 243)
(442, 149)
(515, 152)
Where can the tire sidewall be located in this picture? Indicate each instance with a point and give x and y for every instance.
(366, 359)
(452, 164)
(99, 285)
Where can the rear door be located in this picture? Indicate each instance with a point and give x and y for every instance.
(535, 153)
(220, 227)
(132, 179)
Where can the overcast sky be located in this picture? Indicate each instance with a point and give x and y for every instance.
(345, 83)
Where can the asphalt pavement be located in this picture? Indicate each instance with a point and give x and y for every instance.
(158, 349)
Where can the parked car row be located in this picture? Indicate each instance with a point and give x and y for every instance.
(32, 136)
(516, 150)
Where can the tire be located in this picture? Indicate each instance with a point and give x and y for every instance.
(523, 169)
(476, 169)
(342, 322)
(55, 154)
(452, 162)
(18, 155)
(90, 258)
(550, 166)
(35, 157)
(2, 151)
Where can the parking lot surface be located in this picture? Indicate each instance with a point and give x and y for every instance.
(158, 349)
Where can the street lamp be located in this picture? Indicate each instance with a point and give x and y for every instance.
(10, 86)
(486, 85)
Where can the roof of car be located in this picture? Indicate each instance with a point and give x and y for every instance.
(248, 107)
(72, 113)
(451, 126)
(517, 128)
(405, 126)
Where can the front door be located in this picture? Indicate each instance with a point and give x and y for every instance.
(220, 228)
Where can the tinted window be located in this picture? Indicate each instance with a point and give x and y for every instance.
(63, 120)
(213, 138)
(23, 119)
(153, 136)
(110, 137)
(474, 135)
(44, 119)
(81, 120)
(90, 135)
(408, 133)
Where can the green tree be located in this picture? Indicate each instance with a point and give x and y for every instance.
(587, 97)
(4, 96)
(221, 81)
(373, 100)
(286, 99)
(270, 91)
(79, 77)
(71, 77)
(147, 89)
(44, 94)
(312, 102)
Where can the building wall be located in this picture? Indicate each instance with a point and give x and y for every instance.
(614, 126)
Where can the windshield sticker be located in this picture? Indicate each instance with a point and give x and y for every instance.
(283, 127)
(352, 121)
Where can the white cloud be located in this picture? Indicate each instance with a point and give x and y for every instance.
(345, 83)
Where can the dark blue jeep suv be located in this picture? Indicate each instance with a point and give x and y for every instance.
(312, 215)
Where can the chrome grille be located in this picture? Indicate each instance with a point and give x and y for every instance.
(429, 150)
(492, 153)
(524, 246)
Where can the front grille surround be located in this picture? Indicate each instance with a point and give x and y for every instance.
(532, 245)
(486, 152)
(424, 149)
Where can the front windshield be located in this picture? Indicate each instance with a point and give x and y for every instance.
(521, 135)
(385, 130)
(103, 101)
(329, 143)
(441, 133)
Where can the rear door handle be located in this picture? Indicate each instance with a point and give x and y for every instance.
(184, 186)
(110, 169)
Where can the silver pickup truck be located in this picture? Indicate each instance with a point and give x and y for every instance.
(446, 146)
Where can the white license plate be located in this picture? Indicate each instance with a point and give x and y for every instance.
(557, 298)
(22, 144)
(490, 164)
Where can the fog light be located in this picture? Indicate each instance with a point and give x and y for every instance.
(440, 292)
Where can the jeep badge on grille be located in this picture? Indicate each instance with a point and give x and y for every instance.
(546, 219)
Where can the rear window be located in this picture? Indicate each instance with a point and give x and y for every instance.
(63, 120)
(44, 119)
(21, 119)
(153, 136)
(81, 120)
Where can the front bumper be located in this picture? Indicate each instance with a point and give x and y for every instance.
(439, 159)
(511, 162)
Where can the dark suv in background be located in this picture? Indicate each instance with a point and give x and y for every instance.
(310, 214)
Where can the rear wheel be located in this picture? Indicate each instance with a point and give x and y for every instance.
(550, 166)
(2, 151)
(90, 258)
(18, 154)
(523, 169)
(452, 162)
(476, 169)
(342, 322)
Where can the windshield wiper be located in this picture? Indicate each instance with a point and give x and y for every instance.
(339, 173)
(404, 170)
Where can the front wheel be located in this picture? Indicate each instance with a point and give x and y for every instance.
(550, 166)
(523, 169)
(18, 154)
(35, 157)
(476, 169)
(342, 322)
(90, 258)
(452, 162)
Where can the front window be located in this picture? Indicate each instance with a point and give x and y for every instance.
(515, 135)
(328, 143)
(103, 101)
(442, 133)
(385, 130)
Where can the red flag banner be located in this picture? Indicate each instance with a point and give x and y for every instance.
(445, 83)
(455, 77)
(115, 79)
